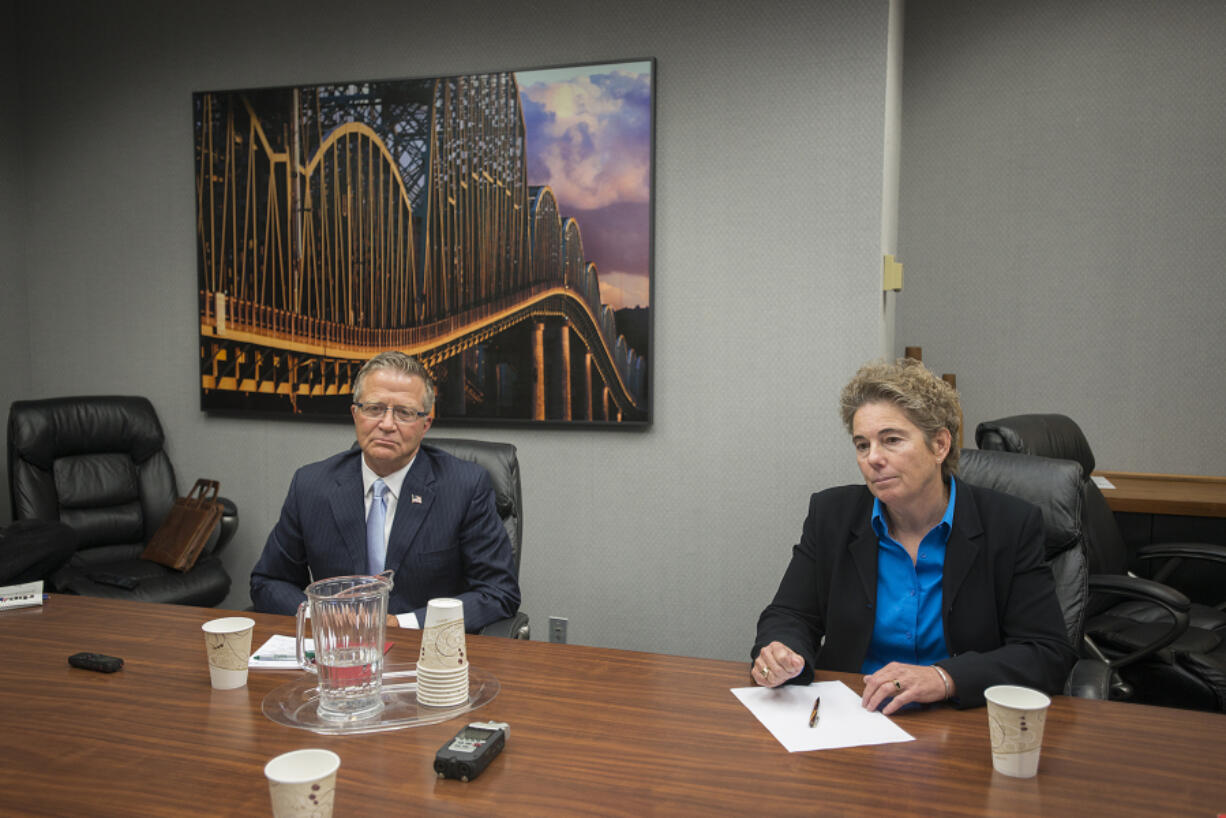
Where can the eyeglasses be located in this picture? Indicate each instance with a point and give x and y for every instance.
(377, 411)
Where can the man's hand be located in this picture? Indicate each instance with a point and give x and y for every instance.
(776, 663)
(392, 621)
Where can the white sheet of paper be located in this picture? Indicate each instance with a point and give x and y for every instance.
(1102, 482)
(278, 653)
(785, 712)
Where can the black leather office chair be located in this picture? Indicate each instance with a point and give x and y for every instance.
(502, 463)
(1191, 671)
(33, 549)
(1052, 435)
(98, 464)
(1055, 487)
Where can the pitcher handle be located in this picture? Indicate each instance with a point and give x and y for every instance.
(302, 660)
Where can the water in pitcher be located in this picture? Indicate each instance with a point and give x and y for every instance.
(348, 618)
(350, 680)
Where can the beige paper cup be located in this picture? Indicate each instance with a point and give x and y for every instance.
(429, 685)
(1016, 716)
(227, 643)
(442, 636)
(302, 783)
(439, 693)
(447, 675)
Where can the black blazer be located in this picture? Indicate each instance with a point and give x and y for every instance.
(446, 538)
(1001, 618)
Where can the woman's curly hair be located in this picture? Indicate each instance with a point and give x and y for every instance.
(927, 401)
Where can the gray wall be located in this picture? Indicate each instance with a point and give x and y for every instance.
(769, 153)
(1061, 217)
(14, 335)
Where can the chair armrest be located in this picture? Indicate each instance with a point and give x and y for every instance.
(228, 524)
(1176, 605)
(1188, 550)
(1090, 679)
(1176, 552)
(513, 627)
(1139, 588)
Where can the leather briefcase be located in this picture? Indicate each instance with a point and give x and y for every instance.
(186, 530)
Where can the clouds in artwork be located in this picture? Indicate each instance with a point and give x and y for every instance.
(589, 138)
(620, 290)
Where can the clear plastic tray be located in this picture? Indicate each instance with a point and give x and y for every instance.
(296, 703)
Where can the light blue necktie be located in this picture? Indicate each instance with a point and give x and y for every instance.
(376, 549)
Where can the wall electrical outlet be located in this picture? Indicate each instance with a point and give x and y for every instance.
(557, 629)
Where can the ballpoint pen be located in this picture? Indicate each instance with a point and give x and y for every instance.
(276, 657)
(813, 717)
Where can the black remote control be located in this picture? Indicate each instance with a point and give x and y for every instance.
(96, 661)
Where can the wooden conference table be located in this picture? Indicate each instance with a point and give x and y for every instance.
(593, 732)
(1181, 494)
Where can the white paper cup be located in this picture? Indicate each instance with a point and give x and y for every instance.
(442, 701)
(443, 645)
(227, 642)
(443, 611)
(438, 675)
(445, 688)
(1016, 716)
(449, 688)
(302, 783)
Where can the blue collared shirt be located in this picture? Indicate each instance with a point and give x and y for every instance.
(908, 627)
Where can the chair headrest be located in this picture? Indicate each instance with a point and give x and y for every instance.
(1052, 485)
(42, 431)
(1042, 435)
(499, 459)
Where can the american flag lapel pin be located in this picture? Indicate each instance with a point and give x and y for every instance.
(416, 498)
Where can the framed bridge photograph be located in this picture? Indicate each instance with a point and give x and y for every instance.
(497, 226)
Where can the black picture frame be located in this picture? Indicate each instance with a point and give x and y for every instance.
(499, 226)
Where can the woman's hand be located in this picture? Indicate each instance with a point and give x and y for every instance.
(776, 663)
(906, 683)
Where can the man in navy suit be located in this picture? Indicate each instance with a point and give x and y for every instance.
(441, 534)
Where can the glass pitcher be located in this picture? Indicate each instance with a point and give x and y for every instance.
(348, 621)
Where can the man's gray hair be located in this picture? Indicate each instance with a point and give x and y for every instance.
(395, 362)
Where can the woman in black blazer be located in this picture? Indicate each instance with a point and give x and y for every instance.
(933, 588)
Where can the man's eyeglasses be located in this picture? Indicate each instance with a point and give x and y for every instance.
(377, 411)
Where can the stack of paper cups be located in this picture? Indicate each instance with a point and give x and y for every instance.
(442, 667)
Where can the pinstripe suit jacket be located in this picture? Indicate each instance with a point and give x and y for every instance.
(451, 544)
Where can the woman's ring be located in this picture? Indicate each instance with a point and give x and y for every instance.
(898, 685)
